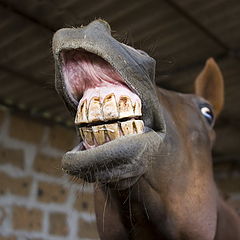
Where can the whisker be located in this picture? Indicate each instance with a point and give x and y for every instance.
(145, 208)
(130, 207)
(104, 210)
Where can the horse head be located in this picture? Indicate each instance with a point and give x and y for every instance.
(135, 137)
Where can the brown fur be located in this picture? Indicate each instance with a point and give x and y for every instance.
(174, 200)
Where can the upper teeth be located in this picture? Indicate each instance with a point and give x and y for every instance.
(109, 109)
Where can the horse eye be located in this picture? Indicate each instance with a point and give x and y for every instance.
(208, 114)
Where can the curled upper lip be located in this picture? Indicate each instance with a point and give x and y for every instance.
(96, 38)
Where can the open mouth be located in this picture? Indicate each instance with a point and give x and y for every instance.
(109, 88)
(107, 108)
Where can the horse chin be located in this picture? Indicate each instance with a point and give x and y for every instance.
(117, 164)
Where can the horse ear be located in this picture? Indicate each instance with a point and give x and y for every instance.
(209, 85)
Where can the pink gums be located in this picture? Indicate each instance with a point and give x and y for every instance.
(83, 70)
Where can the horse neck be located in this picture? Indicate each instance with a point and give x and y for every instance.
(144, 212)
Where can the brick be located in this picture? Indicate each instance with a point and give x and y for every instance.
(8, 238)
(229, 185)
(58, 224)
(27, 219)
(2, 215)
(62, 138)
(26, 130)
(11, 156)
(48, 165)
(87, 229)
(51, 192)
(17, 186)
(84, 202)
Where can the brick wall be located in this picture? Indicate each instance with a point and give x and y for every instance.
(37, 202)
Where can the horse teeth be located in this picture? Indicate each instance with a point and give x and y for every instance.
(125, 107)
(127, 127)
(88, 135)
(81, 116)
(100, 109)
(110, 110)
(107, 110)
(138, 126)
(137, 109)
(112, 131)
(94, 110)
(98, 132)
(81, 133)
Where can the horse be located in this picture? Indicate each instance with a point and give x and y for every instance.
(147, 149)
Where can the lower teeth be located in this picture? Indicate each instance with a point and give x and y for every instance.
(98, 135)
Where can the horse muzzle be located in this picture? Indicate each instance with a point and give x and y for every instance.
(109, 89)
